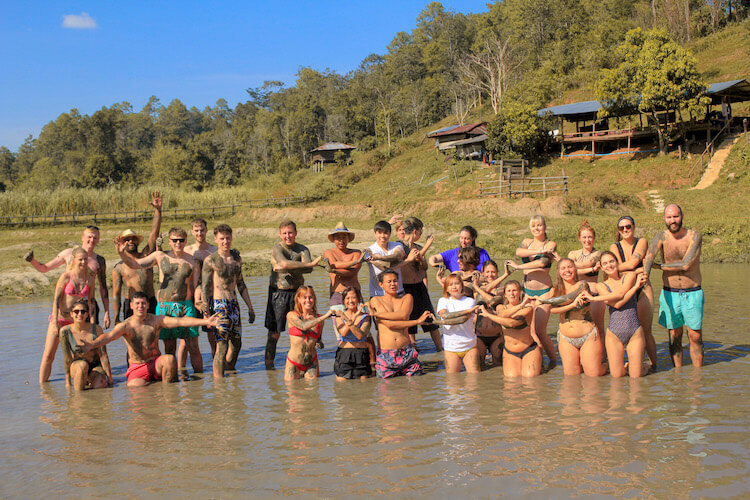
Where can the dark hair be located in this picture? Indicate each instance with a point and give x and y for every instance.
(178, 231)
(288, 222)
(618, 236)
(412, 224)
(490, 262)
(472, 233)
(469, 255)
(381, 276)
(349, 289)
(223, 228)
(81, 302)
(198, 220)
(382, 226)
(139, 295)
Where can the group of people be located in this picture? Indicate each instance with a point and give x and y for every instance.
(482, 318)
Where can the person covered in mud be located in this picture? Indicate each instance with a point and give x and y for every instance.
(97, 264)
(90, 370)
(467, 237)
(141, 334)
(681, 300)
(290, 261)
(397, 355)
(200, 250)
(221, 280)
(385, 254)
(76, 283)
(178, 278)
(137, 280)
(305, 330)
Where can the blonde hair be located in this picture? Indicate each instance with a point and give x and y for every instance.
(78, 251)
(539, 218)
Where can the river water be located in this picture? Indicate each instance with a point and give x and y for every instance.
(677, 433)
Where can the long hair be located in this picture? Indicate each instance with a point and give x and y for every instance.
(297, 302)
(79, 251)
(607, 252)
(452, 276)
(515, 283)
(560, 284)
(349, 289)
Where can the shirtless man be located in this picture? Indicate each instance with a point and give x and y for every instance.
(137, 280)
(221, 280)
(344, 263)
(178, 278)
(681, 300)
(289, 261)
(96, 263)
(141, 333)
(397, 355)
(200, 250)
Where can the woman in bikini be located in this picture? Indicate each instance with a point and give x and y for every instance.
(488, 292)
(577, 337)
(77, 282)
(352, 355)
(88, 370)
(629, 252)
(537, 254)
(305, 330)
(587, 263)
(618, 291)
(522, 356)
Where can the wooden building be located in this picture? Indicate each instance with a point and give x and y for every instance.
(468, 141)
(326, 153)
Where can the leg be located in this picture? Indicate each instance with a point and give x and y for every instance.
(273, 338)
(166, 365)
(437, 339)
(137, 382)
(539, 325)
(597, 311)
(481, 350)
(79, 374)
(181, 355)
(646, 317)
(222, 345)
(696, 346)
(512, 366)
(570, 357)
(531, 364)
(170, 346)
(51, 342)
(412, 338)
(496, 350)
(675, 346)
(472, 361)
(591, 357)
(313, 372)
(235, 344)
(291, 372)
(211, 341)
(615, 355)
(196, 358)
(635, 349)
(452, 362)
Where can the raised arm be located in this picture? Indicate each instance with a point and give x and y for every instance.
(156, 202)
(142, 263)
(294, 319)
(103, 290)
(656, 246)
(117, 291)
(58, 261)
(690, 255)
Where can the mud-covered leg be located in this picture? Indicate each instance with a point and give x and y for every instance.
(220, 357)
(675, 347)
(273, 339)
(234, 352)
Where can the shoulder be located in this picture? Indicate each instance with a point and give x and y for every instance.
(443, 301)
(468, 302)
(483, 253)
(292, 315)
(573, 254)
(235, 254)
(299, 247)
(526, 242)
(100, 259)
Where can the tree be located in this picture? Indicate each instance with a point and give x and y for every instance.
(517, 131)
(655, 74)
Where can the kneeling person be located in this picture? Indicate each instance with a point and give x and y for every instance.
(84, 371)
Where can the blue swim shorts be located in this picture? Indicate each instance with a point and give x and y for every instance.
(681, 306)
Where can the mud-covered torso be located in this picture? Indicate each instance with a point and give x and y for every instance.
(75, 336)
(675, 250)
(289, 279)
(142, 340)
(226, 272)
(175, 274)
(136, 280)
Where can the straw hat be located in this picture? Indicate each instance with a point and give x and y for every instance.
(129, 233)
(340, 228)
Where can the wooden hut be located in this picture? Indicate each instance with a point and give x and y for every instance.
(326, 153)
(466, 140)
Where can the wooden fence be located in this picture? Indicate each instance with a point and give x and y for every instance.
(146, 214)
(524, 187)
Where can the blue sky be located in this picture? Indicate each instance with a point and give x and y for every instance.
(86, 55)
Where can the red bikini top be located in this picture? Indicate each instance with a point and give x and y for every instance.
(314, 333)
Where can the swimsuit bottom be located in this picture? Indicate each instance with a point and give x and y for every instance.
(577, 342)
(488, 340)
(182, 309)
(681, 306)
(61, 322)
(536, 293)
(230, 324)
(352, 362)
(394, 362)
(300, 366)
(461, 354)
(520, 355)
(146, 371)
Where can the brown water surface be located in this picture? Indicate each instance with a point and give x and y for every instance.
(677, 433)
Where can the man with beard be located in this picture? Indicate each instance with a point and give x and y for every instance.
(681, 300)
(137, 280)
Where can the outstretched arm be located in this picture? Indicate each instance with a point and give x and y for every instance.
(58, 261)
(142, 263)
(519, 320)
(118, 331)
(186, 321)
(156, 202)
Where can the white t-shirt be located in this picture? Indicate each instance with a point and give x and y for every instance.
(458, 338)
(375, 290)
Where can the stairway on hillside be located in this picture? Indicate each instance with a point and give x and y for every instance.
(717, 162)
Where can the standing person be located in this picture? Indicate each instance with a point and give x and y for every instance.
(178, 278)
(459, 340)
(353, 353)
(141, 333)
(397, 355)
(467, 237)
(619, 292)
(305, 330)
(587, 264)
(344, 263)
(630, 252)
(84, 371)
(578, 340)
(384, 254)
(414, 276)
(289, 262)
(681, 300)
(200, 250)
(97, 264)
(137, 280)
(221, 280)
(488, 292)
(537, 254)
(76, 283)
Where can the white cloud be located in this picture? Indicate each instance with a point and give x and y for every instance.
(81, 21)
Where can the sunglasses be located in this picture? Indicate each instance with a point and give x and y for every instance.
(79, 311)
(626, 226)
(177, 240)
(95, 228)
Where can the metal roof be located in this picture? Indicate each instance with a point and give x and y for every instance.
(585, 110)
(471, 129)
(731, 91)
(333, 146)
(470, 140)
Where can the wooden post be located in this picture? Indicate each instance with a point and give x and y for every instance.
(544, 187)
(629, 134)
(232, 208)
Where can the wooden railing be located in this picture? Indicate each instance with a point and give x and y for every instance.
(146, 214)
(524, 187)
(706, 155)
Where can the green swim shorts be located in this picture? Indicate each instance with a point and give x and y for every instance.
(681, 306)
(177, 310)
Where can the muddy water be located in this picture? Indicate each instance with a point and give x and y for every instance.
(675, 433)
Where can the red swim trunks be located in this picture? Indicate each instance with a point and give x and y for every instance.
(146, 371)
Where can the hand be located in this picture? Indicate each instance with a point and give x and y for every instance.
(316, 261)
(85, 346)
(156, 200)
(213, 321)
(28, 256)
(159, 241)
(441, 270)
(526, 301)
(119, 244)
(597, 267)
(107, 321)
(395, 218)
(580, 300)
(413, 255)
(429, 240)
(251, 316)
(510, 266)
(205, 309)
(424, 316)
(641, 280)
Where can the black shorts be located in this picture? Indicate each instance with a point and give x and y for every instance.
(422, 303)
(279, 303)
(128, 312)
(352, 362)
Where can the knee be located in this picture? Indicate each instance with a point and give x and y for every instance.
(273, 336)
(79, 368)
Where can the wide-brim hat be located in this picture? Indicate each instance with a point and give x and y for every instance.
(129, 233)
(340, 229)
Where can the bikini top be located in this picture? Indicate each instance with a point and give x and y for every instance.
(622, 252)
(314, 333)
(350, 337)
(536, 257)
(70, 289)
